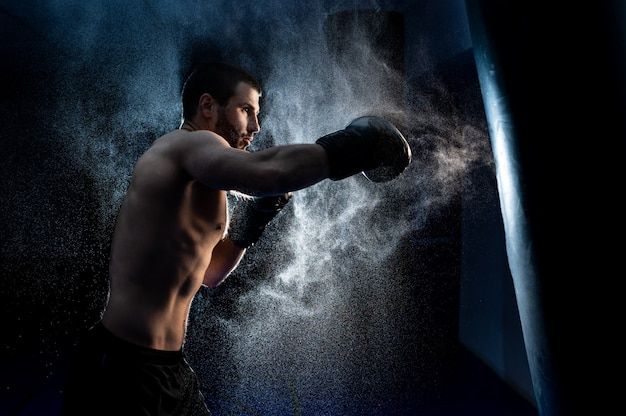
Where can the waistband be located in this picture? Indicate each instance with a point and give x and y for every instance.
(116, 345)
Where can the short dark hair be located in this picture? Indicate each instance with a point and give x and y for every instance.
(216, 78)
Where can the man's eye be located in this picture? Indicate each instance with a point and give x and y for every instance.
(246, 109)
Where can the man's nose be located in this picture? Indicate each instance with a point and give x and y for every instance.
(253, 124)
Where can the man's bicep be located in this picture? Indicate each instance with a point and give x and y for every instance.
(219, 166)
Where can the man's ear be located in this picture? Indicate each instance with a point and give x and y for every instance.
(207, 105)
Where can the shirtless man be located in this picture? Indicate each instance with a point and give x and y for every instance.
(172, 236)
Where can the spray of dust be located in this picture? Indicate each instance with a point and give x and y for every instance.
(330, 309)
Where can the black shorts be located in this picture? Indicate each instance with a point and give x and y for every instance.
(111, 376)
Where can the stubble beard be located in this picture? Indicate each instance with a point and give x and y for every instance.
(225, 129)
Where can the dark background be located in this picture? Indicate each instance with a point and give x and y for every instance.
(87, 87)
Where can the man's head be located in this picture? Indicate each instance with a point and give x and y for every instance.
(224, 99)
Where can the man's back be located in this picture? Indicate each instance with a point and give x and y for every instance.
(166, 230)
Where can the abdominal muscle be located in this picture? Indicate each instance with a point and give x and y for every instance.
(161, 249)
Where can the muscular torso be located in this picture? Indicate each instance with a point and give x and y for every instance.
(166, 230)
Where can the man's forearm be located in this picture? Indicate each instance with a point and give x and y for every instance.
(296, 166)
(225, 258)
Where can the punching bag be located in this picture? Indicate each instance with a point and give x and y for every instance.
(553, 85)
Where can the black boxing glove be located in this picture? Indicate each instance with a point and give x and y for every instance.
(251, 216)
(371, 145)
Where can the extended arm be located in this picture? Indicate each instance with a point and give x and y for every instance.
(209, 159)
(369, 144)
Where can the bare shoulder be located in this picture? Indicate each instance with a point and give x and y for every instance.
(161, 165)
(176, 144)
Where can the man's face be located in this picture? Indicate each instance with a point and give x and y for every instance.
(237, 121)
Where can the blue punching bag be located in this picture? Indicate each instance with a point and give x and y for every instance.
(553, 85)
